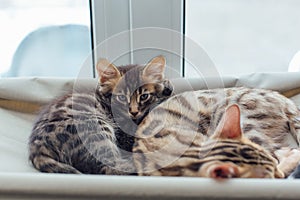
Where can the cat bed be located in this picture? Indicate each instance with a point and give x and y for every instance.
(20, 99)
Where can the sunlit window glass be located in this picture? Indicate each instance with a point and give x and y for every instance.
(246, 36)
(43, 37)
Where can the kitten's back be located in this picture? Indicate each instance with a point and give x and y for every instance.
(178, 127)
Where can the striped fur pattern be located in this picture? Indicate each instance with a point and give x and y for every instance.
(93, 131)
(221, 133)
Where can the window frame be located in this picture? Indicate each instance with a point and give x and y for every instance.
(112, 17)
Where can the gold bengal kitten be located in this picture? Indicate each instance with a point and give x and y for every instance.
(93, 131)
(221, 133)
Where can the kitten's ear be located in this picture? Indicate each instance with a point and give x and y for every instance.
(154, 70)
(107, 72)
(230, 125)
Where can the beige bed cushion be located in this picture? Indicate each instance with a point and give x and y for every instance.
(20, 99)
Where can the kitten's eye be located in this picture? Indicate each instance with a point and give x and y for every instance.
(144, 97)
(121, 97)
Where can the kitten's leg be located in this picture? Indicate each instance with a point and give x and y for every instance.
(48, 164)
(124, 168)
(288, 160)
(105, 158)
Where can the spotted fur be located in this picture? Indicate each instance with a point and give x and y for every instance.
(93, 131)
(191, 134)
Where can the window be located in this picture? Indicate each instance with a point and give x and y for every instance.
(246, 36)
(134, 31)
(225, 37)
(44, 37)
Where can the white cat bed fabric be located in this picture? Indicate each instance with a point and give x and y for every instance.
(20, 99)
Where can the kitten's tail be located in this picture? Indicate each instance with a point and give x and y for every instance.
(49, 165)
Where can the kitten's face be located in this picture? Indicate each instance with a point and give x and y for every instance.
(136, 102)
(228, 154)
(135, 89)
(238, 159)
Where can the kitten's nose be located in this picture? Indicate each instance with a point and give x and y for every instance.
(134, 114)
(224, 171)
(133, 110)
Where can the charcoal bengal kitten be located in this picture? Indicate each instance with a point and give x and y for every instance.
(191, 134)
(93, 131)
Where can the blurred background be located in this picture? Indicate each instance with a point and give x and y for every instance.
(32, 30)
(245, 36)
(53, 37)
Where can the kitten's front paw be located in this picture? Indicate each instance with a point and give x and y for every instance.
(288, 160)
